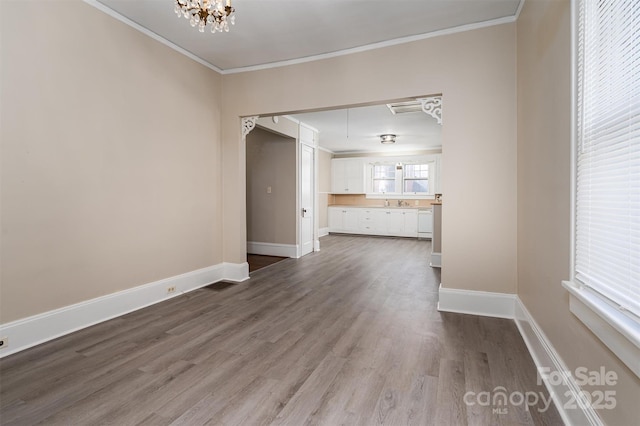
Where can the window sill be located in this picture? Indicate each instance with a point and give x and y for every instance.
(617, 330)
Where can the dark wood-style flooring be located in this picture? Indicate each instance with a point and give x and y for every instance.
(258, 261)
(347, 335)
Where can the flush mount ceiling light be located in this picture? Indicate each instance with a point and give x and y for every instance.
(388, 138)
(217, 13)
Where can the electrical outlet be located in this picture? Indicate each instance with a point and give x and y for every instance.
(417, 202)
(4, 342)
(268, 190)
(171, 289)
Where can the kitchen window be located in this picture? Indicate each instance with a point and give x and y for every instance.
(384, 178)
(404, 177)
(605, 284)
(416, 179)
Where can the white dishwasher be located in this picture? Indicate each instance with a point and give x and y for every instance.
(425, 223)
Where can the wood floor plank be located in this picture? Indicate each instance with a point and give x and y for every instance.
(128, 409)
(451, 389)
(306, 401)
(422, 402)
(363, 403)
(286, 388)
(348, 335)
(477, 380)
(153, 420)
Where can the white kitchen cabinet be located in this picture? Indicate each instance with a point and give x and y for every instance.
(351, 222)
(395, 222)
(344, 219)
(335, 218)
(402, 222)
(374, 221)
(411, 222)
(347, 176)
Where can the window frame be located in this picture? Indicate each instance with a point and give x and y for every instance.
(617, 329)
(432, 160)
(394, 179)
(428, 178)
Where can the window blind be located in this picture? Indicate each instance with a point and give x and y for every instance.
(607, 246)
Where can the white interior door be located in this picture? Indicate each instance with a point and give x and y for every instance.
(307, 206)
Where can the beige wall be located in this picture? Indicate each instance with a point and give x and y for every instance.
(106, 183)
(475, 72)
(271, 162)
(324, 186)
(544, 197)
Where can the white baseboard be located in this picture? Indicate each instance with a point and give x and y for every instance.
(316, 245)
(499, 305)
(436, 260)
(272, 249)
(31, 331)
(322, 232)
(237, 272)
(545, 356)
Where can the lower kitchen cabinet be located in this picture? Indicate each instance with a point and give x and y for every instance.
(395, 222)
(343, 220)
(374, 221)
(411, 222)
(371, 221)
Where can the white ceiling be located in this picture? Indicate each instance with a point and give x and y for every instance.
(359, 129)
(269, 32)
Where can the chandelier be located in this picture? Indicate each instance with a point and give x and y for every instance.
(203, 12)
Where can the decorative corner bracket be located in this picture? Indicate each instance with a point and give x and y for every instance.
(248, 124)
(433, 107)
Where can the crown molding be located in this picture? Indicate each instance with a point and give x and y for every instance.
(321, 148)
(374, 46)
(101, 7)
(520, 6)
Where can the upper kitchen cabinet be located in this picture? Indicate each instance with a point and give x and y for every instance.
(347, 176)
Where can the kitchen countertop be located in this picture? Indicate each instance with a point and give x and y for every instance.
(382, 207)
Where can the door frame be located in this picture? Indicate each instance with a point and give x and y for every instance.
(312, 145)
